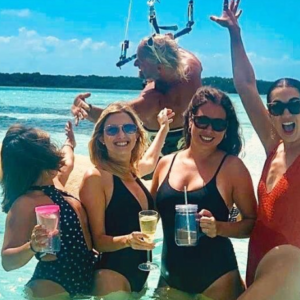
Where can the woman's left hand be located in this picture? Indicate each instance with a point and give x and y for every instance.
(208, 223)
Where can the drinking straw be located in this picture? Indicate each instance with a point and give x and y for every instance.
(187, 216)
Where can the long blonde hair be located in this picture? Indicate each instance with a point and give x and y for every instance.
(98, 151)
(166, 52)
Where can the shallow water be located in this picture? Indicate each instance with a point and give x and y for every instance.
(49, 109)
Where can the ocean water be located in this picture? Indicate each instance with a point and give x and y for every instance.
(49, 109)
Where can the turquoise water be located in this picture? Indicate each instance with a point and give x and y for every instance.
(49, 109)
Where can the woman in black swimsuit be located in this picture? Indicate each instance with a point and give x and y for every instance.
(215, 179)
(113, 196)
(34, 174)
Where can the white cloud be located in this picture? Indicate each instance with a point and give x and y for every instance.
(21, 13)
(5, 39)
(29, 51)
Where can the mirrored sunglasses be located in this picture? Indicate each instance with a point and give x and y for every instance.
(277, 108)
(202, 122)
(112, 130)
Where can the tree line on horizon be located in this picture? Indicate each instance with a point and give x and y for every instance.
(105, 82)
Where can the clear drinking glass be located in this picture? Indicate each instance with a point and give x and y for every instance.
(148, 222)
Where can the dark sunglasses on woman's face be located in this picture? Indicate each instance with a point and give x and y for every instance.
(202, 122)
(112, 130)
(277, 108)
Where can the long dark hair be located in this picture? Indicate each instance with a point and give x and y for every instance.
(283, 82)
(26, 153)
(232, 141)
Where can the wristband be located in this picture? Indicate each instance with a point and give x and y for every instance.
(31, 248)
(69, 145)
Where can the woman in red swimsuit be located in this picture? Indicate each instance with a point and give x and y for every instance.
(278, 128)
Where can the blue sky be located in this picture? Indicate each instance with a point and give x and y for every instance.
(83, 37)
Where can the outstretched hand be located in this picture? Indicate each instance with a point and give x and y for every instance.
(230, 14)
(80, 108)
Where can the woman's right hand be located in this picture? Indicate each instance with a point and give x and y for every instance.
(137, 241)
(39, 238)
(230, 14)
(165, 117)
(80, 109)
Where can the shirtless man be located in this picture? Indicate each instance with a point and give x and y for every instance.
(173, 75)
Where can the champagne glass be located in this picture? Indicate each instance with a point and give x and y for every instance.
(148, 221)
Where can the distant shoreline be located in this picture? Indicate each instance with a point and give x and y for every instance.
(37, 80)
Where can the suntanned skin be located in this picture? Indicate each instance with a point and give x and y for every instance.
(165, 91)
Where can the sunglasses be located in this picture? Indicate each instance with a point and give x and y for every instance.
(150, 44)
(202, 122)
(277, 108)
(113, 130)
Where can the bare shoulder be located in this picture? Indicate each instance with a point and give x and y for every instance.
(193, 65)
(164, 163)
(235, 166)
(96, 175)
(24, 203)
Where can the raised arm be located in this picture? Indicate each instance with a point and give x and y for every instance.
(68, 151)
(82, 110)
(244, 77)
(149, 161)
(94, 198)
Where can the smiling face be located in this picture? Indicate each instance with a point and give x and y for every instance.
(121, 144)
(287, 125)
(208, 137)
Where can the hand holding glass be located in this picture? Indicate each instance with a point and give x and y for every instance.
(148, 222)
(48, 217)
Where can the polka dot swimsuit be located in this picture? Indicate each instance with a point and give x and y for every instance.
(74, 266)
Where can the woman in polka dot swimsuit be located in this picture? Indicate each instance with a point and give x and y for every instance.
(31, 178)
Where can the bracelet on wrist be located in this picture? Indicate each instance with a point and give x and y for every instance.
(31, 248)
(69, 145)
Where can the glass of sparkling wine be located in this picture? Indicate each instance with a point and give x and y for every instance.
(148, 221)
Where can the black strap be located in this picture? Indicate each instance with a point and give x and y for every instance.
(222, 161)
(168, 174)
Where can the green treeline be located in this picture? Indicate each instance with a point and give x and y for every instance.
(104, 82)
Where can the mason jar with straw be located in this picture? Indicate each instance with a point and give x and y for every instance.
(186, 225)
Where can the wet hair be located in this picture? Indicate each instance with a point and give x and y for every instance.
(283, 83)
(166, 53)
(98, 151)
(232, 141)
(26, 153)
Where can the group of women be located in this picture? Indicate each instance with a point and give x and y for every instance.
(102, 245)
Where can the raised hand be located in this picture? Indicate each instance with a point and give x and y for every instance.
(70, 135)
(80, 108)
(230, 14)
(165, 117)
